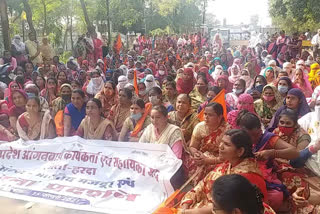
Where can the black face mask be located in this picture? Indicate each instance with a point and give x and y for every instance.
(66, 97)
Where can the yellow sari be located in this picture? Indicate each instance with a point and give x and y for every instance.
(99, 133)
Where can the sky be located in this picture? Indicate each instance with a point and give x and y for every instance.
(237, 11)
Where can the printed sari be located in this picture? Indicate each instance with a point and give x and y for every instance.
(37, 131)
(104, 131)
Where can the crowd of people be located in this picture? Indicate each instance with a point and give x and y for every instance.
(168, 90)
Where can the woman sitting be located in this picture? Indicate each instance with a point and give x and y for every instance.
(108, 97)
(19, 98)
(199, 93)
(235, 150)
(120, 112)
(213, 91)
(238, 88)
(245, 101)
(134, 125)
(268, 104)
(284, 85)
(11, 88)
(205, 140)
(258, 84)
(74, 112)
(235, 194)
(301, 80)
(34, 124)
(184, 116)
(50, 91)
(170, 95)
(162, 132)
(269, 74)
(94, 126)
(5, 129)
(296, 102)
(60, 103)
(95, 84)
(186, 82)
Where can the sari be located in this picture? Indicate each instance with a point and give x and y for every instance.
(314, 77)
(186, 87)
(104, 131)
(107, 102)
(209, 146)
(295, 138)
(201, 195)
(263, 110)
(132, 129)
(305, 85)
(38, 131)
(196, 99)
(187, 124)
(118, 115)
(9, 98)
(57, 105)
(171, 135)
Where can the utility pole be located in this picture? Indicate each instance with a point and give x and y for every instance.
(108, 23)
(204, 12)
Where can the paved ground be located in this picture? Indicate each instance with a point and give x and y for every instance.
(12, 206)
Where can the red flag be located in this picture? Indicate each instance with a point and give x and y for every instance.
(178, 57)
(135, 82)
(220, 98)
(118, 44)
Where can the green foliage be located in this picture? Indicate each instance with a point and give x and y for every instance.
(295, 15)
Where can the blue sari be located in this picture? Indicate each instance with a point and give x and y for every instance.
(76, 115)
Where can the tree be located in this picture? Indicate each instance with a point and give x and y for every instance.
(28, 11)
(295, 15)
(5, 24)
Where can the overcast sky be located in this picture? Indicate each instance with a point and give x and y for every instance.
(237, 11)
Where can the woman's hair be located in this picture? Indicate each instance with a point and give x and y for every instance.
(128, 92)
(203, 78)
(235, 191)
(162, 109)
(76, 82)
(261, 77)
(172, 84)
(155, 89)
(112, 84)
(293, 116)
(217, 108)
(97, 102)
(241, 139)
(54, 79)
(80, 92)
(18, 68)
(215, 89)
(36, 99)
(139, 102)
(248, 120)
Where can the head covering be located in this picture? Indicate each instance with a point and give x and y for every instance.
(205, 70)
(150, 82)
(10, 100)
(153, 67)
(185, 87)
(66, 85)
(95, 85)
(249, 81)
(307, 84)
(303, 107)
(314, 78)
(22, 92)
(18, 44)
(237, 54)
(277, 95)
(122, 81)
(218, 71)
(124, 69)
(234, 76)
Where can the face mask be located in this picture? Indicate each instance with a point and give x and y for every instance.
(237, 91)
(283, 89)
(142, 93)
(268, 98)
(136, 117)
(161, 72)
(317, 112)
(96, 80)
(153, 99)
(66, 97)
(31, 94)
(287, 131)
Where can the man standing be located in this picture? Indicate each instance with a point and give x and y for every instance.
(33, 49)
(316, 44)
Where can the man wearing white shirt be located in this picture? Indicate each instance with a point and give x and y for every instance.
(316, 44)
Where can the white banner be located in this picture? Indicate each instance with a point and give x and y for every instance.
(92, 175)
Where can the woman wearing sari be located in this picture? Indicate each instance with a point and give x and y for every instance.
(245, 102)
(120, 112)
(135, 125)
(223, 83)
(19, 98)
(107, 97)
(5, 129)
(301, 80)
(162, 132)
(199, 93)
(296, 102)
(40, 82)
(50, 91)
(170, 96)
(238, 88)
(60, 103)
(284, 85)
(61, 78)
(184, 85)
(11, 88)
(314, 75)
(94, 126)
(246, 77)
(268, 104)
(234, 74)
(184, 117)
(74, 113)
(34, 124)
(205, 140)
(235, 153)
(269, 74)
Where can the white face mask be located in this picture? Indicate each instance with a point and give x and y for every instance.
(237, 91)
(161, 72)
(317, 112)
(97, 80)
(154, 100)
